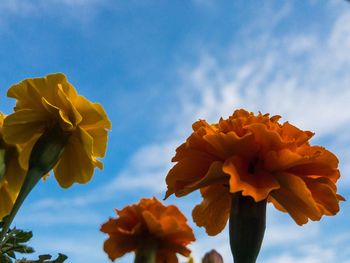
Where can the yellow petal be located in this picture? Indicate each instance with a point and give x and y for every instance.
(74, 165)
(6, 201)
(58, 115)
(26, 150)
(14, 173)
(22, 125)
(27, 96)
(93, 114)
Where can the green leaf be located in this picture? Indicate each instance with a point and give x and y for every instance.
(61, 258)
(11, 254)
(5, 259)
(23, 236)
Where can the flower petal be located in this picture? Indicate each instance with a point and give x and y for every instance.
(213, 212)
(118, 245)
(75, 165)
(323, 192)
(188, 171)
(22, 125)
(96, 117)
(296, 198)
(229, 144)
(6, 200)
(257, 185)
(14, 173)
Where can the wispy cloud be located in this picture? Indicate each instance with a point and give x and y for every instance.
(302, 77)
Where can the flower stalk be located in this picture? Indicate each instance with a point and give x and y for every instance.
(247, 227)
(44, 156)
(146, 253)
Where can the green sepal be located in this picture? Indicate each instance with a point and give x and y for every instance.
(45, 154)
(247, 227)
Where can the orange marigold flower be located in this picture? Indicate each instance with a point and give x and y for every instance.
(51, 101)
(11, 174)
(148, 222)
(259, 157)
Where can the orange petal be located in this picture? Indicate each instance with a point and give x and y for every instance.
(320, 162)
(188, 171)
(213, 212)
(229, 144)
(152, 223)
(296, 198)
(118, 245)
(290, 132)
(166, 256)
(257, 185)
(267, 139)
(324, 193)
(214, 175)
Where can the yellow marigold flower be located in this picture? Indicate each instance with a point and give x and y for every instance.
(148, 222)
(43, 103)
(259, 157)
(11, 174)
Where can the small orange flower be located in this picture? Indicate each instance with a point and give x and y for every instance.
(149, 221)
(259, 157)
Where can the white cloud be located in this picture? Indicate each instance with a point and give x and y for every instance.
(78, 248)
(146, 169)
(59, 215)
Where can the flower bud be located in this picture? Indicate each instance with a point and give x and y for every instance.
(212, 257)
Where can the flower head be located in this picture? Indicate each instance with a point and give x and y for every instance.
(148, 222)
(259, 157)
(51, 101)
(11, 174)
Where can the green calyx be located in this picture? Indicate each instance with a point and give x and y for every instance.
(247, 227)
(44, 156)
(146, 253)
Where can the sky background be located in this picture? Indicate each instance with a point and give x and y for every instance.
(158, 66)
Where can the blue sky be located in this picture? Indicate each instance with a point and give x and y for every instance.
(156, 67)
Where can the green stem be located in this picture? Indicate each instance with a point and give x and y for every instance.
(146, 253)
(32, 178)
(44, 156)
(247, 227)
